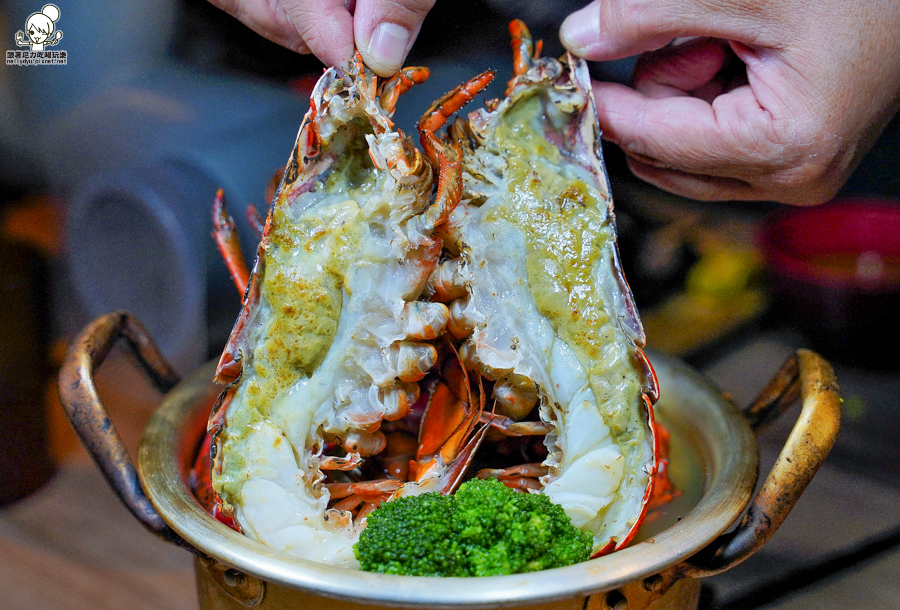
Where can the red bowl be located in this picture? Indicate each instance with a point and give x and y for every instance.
(835, 273)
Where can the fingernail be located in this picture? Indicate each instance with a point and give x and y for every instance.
(388, 45)
(581, 29)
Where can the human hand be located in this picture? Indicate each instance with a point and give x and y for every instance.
(815, 83)
(382, 30)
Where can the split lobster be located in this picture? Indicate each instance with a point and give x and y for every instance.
(389, 334)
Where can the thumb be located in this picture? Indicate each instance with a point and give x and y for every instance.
(385, 30)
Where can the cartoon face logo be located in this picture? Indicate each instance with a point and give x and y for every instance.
(40, 28)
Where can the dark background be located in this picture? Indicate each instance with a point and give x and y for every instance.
(163, 102)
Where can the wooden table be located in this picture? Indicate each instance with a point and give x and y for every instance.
(72, 544)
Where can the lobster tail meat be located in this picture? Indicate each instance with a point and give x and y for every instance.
(550, 315)
(330, 341)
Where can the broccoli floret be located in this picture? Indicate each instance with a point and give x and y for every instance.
(505, 532)
(411, 535)
(485, 529)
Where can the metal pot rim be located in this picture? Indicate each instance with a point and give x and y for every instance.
(723, 436)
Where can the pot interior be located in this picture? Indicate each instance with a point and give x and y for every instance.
(713, 462)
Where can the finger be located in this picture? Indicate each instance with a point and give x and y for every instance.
(326, 26)
(694, 186)
(715, 188)
(680, 70)
(267, 19)
(732, 137)
(613, 29)
(385, 31)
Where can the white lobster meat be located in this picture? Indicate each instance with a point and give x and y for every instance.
(331, 339)
(550, 314)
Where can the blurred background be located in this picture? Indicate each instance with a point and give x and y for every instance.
(108, 168)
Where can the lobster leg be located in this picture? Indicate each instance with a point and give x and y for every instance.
(444, 415)
(525, 477)
(365, 488)
(227, 241)
(522, 46)
(449, 189)
(257, 222)
(445, 284)
(365, 78)
(272, 185)
(452, 476)
(367, 508)
(349, 503)
(446, 435)
(442, 109)
(510, 427)
(331, 462)
(533, 470)
(447, 157)
(399, 84)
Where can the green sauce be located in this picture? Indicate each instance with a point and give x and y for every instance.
(308, 258)
(307, 262)
(567, 234)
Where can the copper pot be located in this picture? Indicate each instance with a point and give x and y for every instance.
(663, 571)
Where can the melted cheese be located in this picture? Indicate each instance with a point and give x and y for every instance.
(540, 252)
(334, 283)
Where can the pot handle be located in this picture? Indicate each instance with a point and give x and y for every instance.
(808, 376)
(89, 417)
